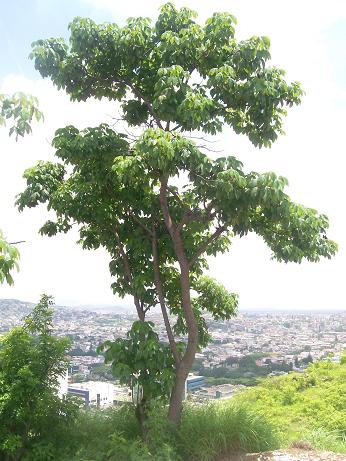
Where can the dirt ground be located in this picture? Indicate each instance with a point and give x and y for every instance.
(288, 455)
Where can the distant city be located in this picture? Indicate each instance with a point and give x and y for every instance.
(254, 344)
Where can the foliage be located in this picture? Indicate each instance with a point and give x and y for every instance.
(9, 256)
(157, 202)
(32, 416)
(22, 109)
(310, 405)
(141, 360)
(206, 433)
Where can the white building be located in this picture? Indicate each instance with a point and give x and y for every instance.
(63, 384)
(94, 393)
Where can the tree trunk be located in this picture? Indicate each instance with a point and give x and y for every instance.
(185, 365)
(177, 395)
(142, 419)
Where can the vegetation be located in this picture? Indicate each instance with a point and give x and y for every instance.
(22, 109)
(36, 424)
(32, 416)
(247, 372)
(9, 257)
(170, 78)
(309, 405)
(205, 433)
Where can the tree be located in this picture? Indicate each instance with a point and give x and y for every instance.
(31, 413)
(156, 201)
(141, 362)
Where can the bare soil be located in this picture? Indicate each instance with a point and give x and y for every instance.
(291, 454)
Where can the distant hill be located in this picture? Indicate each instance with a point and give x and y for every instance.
(15, 307)
(21, 308)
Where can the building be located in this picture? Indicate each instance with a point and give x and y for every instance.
(63, 384)
(194, 382)
(93, 393)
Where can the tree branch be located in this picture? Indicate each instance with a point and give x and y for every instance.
(139, 94)
(139, 307)
(138, 221)
(158, 284)
(202, 248)
(164, 207)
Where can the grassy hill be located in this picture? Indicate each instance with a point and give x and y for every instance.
(305, 406)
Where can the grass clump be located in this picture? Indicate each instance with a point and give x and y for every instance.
(325, 440)
(209, 431)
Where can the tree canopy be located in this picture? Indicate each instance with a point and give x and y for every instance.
(156, 201)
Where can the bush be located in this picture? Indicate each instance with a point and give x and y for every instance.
(34, 421)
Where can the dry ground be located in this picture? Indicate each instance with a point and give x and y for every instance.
(288, 455)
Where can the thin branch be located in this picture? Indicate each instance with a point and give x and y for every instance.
(128, 275)
(16, 243)
(202, 138)
(139, 94)
(164, 206)
(158, 284)
(138, 221)
(215, 151)
(203, 246)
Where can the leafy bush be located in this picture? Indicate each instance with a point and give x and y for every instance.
(34, 421)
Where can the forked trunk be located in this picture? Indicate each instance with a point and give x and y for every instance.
(185, 364)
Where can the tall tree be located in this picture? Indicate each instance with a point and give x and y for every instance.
(157, 202)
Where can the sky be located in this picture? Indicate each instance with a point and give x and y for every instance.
(308, 40)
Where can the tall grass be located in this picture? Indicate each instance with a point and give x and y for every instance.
(216, 429)
(322, 439)
(206, 433)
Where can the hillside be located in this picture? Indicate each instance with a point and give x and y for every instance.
(14, 307)
(305, 406)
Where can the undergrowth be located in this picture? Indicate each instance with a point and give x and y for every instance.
(206, 433)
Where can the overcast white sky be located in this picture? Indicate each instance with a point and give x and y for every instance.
(308, 40)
